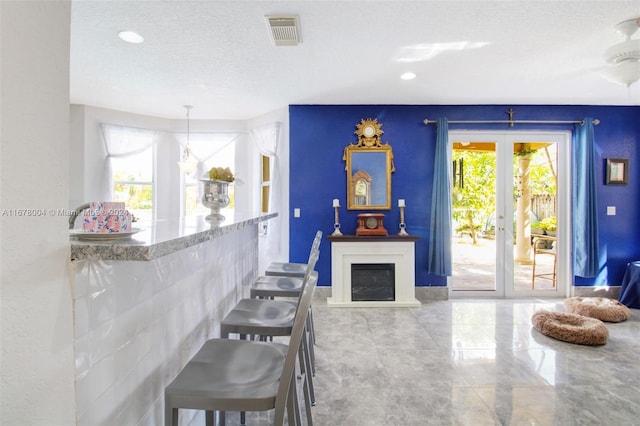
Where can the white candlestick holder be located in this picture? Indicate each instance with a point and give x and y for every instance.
(403, 226)
(336, 225)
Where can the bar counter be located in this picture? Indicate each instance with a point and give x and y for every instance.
(158, 238)
(144, 305)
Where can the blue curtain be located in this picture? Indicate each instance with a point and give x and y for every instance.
(439, 262)
(584, 202)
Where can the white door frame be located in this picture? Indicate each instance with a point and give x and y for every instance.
(504, 258)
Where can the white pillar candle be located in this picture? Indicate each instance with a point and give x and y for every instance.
(336, 202)
(401, 203)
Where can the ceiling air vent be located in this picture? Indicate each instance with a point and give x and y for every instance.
(284, 30)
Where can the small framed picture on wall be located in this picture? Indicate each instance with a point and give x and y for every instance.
(617, 171)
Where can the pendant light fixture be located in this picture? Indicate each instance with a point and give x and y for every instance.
(188, 163)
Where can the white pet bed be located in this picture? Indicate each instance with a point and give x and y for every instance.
(571, 328)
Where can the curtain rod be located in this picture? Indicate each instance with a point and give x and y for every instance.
(512, 122)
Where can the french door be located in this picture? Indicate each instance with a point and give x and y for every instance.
(506, 186)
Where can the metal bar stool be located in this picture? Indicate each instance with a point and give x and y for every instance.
(268, 318)
(241, 375)
(285, 280)
(289, 269)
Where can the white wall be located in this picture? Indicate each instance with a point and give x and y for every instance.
(76, 156)
(37, 385)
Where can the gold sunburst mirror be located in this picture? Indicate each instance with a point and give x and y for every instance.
(369, 132)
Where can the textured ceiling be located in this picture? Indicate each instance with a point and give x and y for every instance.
(218, 56)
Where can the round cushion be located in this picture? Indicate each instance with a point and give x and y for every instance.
(602, 308)
(570, 327)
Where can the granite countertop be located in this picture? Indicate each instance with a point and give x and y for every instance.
(159, 238)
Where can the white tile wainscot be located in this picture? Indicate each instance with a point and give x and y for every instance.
(137, 322)
(349, 249)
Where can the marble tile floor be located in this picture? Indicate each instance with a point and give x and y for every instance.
(468, 362)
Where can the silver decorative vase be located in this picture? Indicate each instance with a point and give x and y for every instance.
(215, 196)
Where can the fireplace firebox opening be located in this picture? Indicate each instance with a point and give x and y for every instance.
(373, 281)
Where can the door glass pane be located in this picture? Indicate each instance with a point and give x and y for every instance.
(265, 199)
(266, 169)
(535, 210)
(474, 217)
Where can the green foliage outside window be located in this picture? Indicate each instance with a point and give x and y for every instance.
(541, 179)
(475, 202)
(138, 197)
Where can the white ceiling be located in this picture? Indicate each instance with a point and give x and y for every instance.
(218, 55)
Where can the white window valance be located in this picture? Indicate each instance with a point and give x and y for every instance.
(204, 148)
(120, 142)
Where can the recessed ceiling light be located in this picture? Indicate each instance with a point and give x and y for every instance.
(131, 37)
(408, 76)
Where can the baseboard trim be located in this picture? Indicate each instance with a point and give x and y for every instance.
(612, 292)
(423, 294)
(322, 293)
(426, 294)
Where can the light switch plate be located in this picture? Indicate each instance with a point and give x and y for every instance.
(611, 210)
(296, 212)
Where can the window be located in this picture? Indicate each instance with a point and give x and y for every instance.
(212, 150)
(133, 183)
(130, 168)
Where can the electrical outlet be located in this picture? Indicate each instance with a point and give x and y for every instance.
(611, 210)
(296, 212)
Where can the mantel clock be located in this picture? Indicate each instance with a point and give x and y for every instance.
(371, 224)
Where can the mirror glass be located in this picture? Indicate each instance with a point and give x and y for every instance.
(369, 166)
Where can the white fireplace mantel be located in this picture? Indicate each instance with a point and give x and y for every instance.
(349, 249)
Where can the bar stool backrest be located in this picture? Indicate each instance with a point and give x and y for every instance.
(295, 341)
(313, 259)
(315, 246)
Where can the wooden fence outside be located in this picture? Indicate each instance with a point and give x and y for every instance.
(543, 206)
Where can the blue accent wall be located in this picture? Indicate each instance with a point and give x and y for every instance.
(319, 134)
